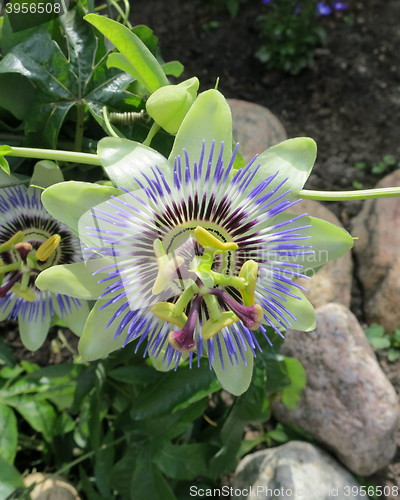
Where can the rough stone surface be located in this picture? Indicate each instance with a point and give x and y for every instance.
(332, 283)
(50, 488)
(254, 127)
(377, 227)
(298, 470)
(348, 404)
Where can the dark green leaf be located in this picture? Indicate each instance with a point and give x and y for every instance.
(121, 473)
(40, 415)
(148, 482)
(62, 82)
(174, 390)
(185, 461)
(7, 356)
(8, 433)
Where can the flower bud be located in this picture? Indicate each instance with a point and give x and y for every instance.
(168, 105)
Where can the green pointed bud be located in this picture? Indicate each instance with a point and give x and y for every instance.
(168, 105)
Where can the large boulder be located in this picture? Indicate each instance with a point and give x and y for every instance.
(377, 228)
(348, 404)
(296, 470)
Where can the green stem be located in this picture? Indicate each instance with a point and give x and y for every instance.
(80, 116)
(152, 132)
(361, 194)
(54, 154)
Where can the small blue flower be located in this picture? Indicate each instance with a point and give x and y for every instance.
(30, 242)
(323, 9)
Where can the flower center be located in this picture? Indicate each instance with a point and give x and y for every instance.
(23, 257)
(207, 296)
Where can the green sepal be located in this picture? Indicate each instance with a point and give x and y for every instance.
(326, 240)
(292, 159)
(97, 340)
(123, 160)
(75, 318)
(68, 201)
(234, 378)
(142, 64)
(33, 333)
(74, 280)
(209, 119)
(46, 173)
(302, 310)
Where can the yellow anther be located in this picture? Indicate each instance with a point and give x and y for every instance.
(167, 271)
(211, 327)
(25, 293)
(16, 238)
(48, 247)
(249, 272)
(206, 239)
(166, 311)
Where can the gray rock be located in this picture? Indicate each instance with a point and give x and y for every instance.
(348, 404)
(296, 470)
(377, 227)
(332, 283)
(254, 127)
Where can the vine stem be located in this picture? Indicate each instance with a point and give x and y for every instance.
(361, 194)
(54, 154)
(91, 159)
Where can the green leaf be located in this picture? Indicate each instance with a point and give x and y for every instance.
(379, 342)
(374, 331)
(291, 393)
(209, 119)
(148, 482)
(173, 68)
(123, 160)
(183, 462)
(121, 473)
(7, 356)
(16, 94)
(80, 78)
(4, 165)
(10, 479)
(40, 415)
(173, 390)
(74, 280)
(8, 433)
(393, 355)
(46, 173)
(146, 68)
(68, 201)
(292, 159)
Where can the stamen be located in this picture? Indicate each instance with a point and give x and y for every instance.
(167, 312)
(23, 249)
(206, 239)
(249, 272)
(183, 340)
(251, 316)
(8, 245)
(168, 268)
(211, 326)
(47, 248)
(11, 282)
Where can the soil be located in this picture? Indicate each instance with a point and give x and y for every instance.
(348, 101)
